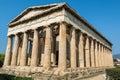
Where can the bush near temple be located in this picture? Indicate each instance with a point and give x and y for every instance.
(113, 73)
(11, 77)
(2, 56)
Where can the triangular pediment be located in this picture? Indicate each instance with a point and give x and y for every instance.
(33, 11)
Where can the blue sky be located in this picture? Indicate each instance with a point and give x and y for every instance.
(104, 15)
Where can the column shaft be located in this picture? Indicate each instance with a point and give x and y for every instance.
(15, 51)
(105, 57)
(62, 47)
(73, 49)
(23, 60)
(96, 54)
(8, 52)
(92, 54)
(81, 51)
(87, 52)
(47, 55)
(19, 55)
(111, 58)
(100, 54)
(34, 58)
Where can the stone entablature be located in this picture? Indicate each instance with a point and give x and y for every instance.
(56, 39)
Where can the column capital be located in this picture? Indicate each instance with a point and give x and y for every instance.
(19, 33)
(63, 22)
(10, 35)
(68, 25)
(92, 42)
(81, 36)
(91, 38)
(87, 43)
(54, 24)
(81, 32)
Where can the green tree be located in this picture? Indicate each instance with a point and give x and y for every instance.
(2, 56)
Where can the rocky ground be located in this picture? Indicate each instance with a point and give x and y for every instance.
(97, 74)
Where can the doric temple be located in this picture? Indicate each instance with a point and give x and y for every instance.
(55, 38)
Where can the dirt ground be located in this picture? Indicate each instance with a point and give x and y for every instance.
(98, 77)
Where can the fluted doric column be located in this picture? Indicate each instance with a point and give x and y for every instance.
(62, 47)
(100, 58)
(92, 53)
(96, 54)
(87, 52)
(15, 51)
(106, 57)
(111, 58)
(23, 60)
(103, 56)
(19, 55)
(73, 49)
(34, 58)
(8, 52)
(81, 51)
(47, 53)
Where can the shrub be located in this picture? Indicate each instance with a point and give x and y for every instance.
(113, 73)
(11, 77)
(2, 59)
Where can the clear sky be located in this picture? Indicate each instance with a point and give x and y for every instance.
(104, 15)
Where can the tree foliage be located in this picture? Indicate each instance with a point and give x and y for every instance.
(2, 56)
(115, 60)
(11, 77)
(114, 73)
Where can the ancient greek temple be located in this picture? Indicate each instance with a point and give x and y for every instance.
(55, 37)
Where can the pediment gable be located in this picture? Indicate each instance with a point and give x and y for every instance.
(33, 11)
